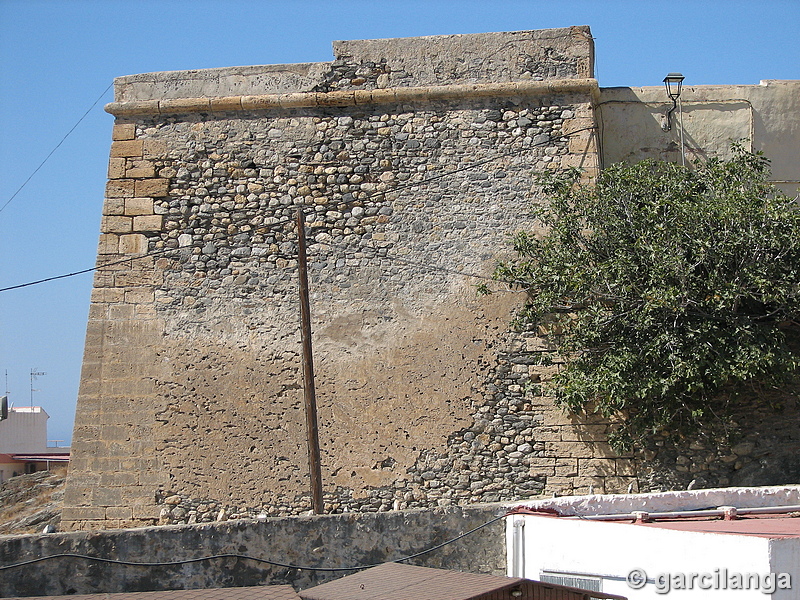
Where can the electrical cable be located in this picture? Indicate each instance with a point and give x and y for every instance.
(244, 557)
(289, 220)
(36, 170)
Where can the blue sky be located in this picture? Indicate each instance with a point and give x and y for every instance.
(58, 57)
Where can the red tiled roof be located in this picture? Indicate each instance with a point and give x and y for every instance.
(263, 592)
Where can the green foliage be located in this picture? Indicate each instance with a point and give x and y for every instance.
(670, 287)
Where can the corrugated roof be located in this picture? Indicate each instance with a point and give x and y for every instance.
(393, 581)
(768, 526)
(262, 592)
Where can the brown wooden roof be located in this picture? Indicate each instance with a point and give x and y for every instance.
(262, 592)
(394, 581)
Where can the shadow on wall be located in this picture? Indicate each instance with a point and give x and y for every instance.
(631, 130)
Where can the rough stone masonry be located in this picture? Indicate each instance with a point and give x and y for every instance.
(413, 160)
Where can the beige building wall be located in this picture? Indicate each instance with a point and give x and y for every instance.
(765, 116)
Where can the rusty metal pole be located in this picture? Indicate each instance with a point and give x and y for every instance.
(309, 393)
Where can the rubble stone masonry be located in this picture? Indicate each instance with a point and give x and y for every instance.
(413, 160)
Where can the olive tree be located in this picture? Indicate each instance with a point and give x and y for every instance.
(666, 289)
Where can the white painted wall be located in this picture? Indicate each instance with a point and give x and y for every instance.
(24, 431)
(612, 549)
(611, 504)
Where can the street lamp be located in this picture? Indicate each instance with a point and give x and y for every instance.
(673, 82)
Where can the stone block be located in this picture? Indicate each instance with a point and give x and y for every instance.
(584, 433)
(573, 450)
(151, 478)
(116, 168)
(119, 188)
(626, 467)
(136, 278)
(172, 105)
(337, 98)
(578, 161)
(127, 149)
(596, 467)
(108, 244)
(134, 243)
(81, 513)
(118, 479)
(139, 295)
(114, 206)
(119, 512)
(107, 295)
(560, 484)
(147, 223)
(138, 206)
(119, 312)
(603, 449)
(547, 434)
(566, 467)
(123, 131)
(582, 485)
(154, 188)
(154, 149)
(139, 169)
(584, 124)
(113, 224)
(145, 311)
(97, 312)
(581, 146)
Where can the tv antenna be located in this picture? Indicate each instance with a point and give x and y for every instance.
(34, 376)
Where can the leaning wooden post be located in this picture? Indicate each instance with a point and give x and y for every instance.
(309, 393)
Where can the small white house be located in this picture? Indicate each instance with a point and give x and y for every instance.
(738, 543)
(24, 431)
(23, 442)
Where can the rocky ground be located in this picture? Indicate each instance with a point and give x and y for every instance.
(29, 503)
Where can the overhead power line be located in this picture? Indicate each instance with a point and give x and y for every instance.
(57, 146)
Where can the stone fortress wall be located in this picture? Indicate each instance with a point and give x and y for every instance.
(413, 160)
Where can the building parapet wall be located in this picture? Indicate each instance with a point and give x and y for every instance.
(546, 54)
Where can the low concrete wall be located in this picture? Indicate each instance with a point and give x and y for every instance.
(316, 541)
